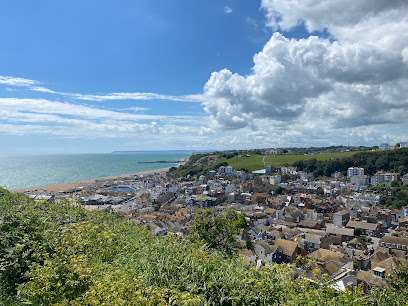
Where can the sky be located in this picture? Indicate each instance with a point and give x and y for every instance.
(100, 76)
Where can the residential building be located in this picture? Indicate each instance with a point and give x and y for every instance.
(385, 146)
(394, 243)
(404, 144)
(368, 229)
(289, 249)
(384, 177)
(229, 171)
(405, 179)
(341, 218)
(352, 171)
(360, 180)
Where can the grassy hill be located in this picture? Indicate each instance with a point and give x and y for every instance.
(255, 161)
(57, 254)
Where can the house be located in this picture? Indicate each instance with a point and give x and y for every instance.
(311, 242)
(323, 255)
(403, 224)
(270, 253)
(405, 179)
(373, 199)
(312, 224)
(385, 146)
(290, 249)
(372, 278)
(341, 218)
(394, 243)
(258, 232)
(357, 244)
(340, 234)
(369, 229)
(396, 214)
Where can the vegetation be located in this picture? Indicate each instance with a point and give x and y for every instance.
(57, 254)
(322, 164)
(387, 160)
(400, 198)
(248, 163)
(218, 230)
(255, 161)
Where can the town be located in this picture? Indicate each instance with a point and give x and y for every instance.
(336, 224)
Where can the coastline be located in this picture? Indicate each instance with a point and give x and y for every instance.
(71, 185)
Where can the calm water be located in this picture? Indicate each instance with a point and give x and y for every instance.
(17, 172)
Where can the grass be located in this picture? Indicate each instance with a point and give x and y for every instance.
(255, 161)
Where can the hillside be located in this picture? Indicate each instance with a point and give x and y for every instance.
(395, 160)
(388, 160)
(202, 163)
(254, 162)
(62, 255)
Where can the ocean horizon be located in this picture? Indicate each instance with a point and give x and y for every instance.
(27, 171)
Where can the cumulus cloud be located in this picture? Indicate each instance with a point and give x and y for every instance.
(358, 77)
(317, 15)
(227, 10)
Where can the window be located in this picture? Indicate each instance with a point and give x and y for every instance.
(383, 244)
(398, 246)
(404, 247)
(388, 245)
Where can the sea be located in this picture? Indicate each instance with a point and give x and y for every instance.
(25, 171)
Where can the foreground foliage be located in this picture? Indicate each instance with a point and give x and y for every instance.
(62, 255)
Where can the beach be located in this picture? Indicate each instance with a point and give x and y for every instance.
(72, 185)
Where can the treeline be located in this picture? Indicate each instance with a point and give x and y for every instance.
(59, 254)
(372, 161)
(331, 149)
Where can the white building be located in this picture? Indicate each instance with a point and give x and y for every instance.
(384, 177)
(404, 144)
(352, 171)
(229, 171)
(276, 179)
(373, 199)
(385, 146)
(359, 179)
(405, 179)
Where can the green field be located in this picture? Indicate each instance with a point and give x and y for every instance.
(255, 161)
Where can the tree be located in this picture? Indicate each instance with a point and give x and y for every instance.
(218, 231)
(278, 190)
(397, 145)
(357, 232)
(395, 184)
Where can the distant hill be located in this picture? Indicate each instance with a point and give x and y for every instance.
(395, 160)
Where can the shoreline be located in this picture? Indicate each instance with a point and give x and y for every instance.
(71, 185)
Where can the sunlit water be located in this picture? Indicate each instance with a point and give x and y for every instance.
(18, 172)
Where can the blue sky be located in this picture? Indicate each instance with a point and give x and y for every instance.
(99, 76)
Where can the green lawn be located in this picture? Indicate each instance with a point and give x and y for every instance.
(255, 161)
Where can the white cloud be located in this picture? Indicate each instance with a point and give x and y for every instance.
(12, 81)
(137, 96)
(41, 116)
(227, 10)
(137, 109)
(33, 86)
(317, 15)
(358, 77)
